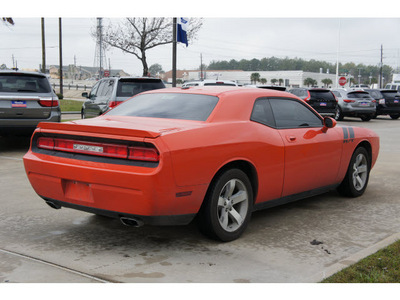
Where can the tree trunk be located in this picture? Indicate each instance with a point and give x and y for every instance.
(144, 63)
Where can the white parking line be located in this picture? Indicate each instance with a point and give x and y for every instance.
(54, 265)
(9, 157)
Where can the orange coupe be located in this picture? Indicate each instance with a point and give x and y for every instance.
(218, 153)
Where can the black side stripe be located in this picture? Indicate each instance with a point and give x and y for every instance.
(345, 133)
(351, 132)
(348, 133)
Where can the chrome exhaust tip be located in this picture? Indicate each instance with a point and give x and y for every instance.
(131, 222)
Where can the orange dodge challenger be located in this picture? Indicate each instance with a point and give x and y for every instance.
(218, 153)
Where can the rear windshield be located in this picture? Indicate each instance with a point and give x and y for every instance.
(167, 106)
(20, 83)
(326, 95)
(390, 95)
(358, 95)
(299, 93)
(131, 87)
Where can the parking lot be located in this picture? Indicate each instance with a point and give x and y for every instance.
(298, 242)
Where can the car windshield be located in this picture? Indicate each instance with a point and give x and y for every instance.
(375, 94)
(389, 95)
(131, 87)
(21, 83)
(168, 106)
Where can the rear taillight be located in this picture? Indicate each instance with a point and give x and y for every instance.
(99, 149)
(349, 101)
(373, 101)
(113, 103)
(141, 153)
(308, 97)
(48, 102)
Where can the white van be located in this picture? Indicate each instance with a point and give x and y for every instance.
(393, 86)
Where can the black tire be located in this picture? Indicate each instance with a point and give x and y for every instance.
(366, 118)
(356, 180)
(219, 217)
(395, 116)
(339, 114)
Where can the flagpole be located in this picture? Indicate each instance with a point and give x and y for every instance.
(174, 53)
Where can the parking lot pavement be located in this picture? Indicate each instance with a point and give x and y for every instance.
(298, 242)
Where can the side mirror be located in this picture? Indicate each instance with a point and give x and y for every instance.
(85, 94)
(328, 123)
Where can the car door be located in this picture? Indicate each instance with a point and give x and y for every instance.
(312, 157)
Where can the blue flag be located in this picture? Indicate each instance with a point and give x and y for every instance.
(181, 35)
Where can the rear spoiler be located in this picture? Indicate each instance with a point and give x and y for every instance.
(99, 129)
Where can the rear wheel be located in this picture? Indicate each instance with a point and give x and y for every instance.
(339, 114)
(227, 206)
(395, 116)
(356, 179)
(366, 118)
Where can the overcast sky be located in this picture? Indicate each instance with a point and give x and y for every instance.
(245, 30)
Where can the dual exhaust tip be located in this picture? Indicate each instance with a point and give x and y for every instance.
(127, 221)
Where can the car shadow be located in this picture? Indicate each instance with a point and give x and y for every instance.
(14, 143)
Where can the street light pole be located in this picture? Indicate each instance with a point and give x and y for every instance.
(43, 49)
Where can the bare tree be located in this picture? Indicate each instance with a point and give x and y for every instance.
(137, 35)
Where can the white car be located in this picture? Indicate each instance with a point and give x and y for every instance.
(209, 82)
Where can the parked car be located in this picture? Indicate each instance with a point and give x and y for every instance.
(166, 156)
(109, 92)
(390, 104)
(26, 98)
(209, 82)
(354, 103)
(322, 100)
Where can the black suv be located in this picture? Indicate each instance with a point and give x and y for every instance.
(389, 104)
(322, 100)
(109, 92)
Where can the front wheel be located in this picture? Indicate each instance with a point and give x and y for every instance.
(395, 116)
(227, 206)
(356, 179)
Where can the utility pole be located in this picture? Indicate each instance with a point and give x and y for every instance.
(381, 71)
(13, 61)
(201, 66)
(174, 53)
(43, 49)
(60, 54)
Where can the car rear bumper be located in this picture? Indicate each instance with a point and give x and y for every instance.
(387, 110)
(21, 125)
(149, 194)
(358, 111)
(149, 220)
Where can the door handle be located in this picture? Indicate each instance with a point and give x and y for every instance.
(291, 138)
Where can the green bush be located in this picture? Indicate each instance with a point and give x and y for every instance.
(60, 96)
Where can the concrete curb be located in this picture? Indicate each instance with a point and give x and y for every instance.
(344, 263)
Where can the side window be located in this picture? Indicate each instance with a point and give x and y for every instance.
(293, 114)
(102, 88)
(262, 113)
(94, 90)
(108, 89)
